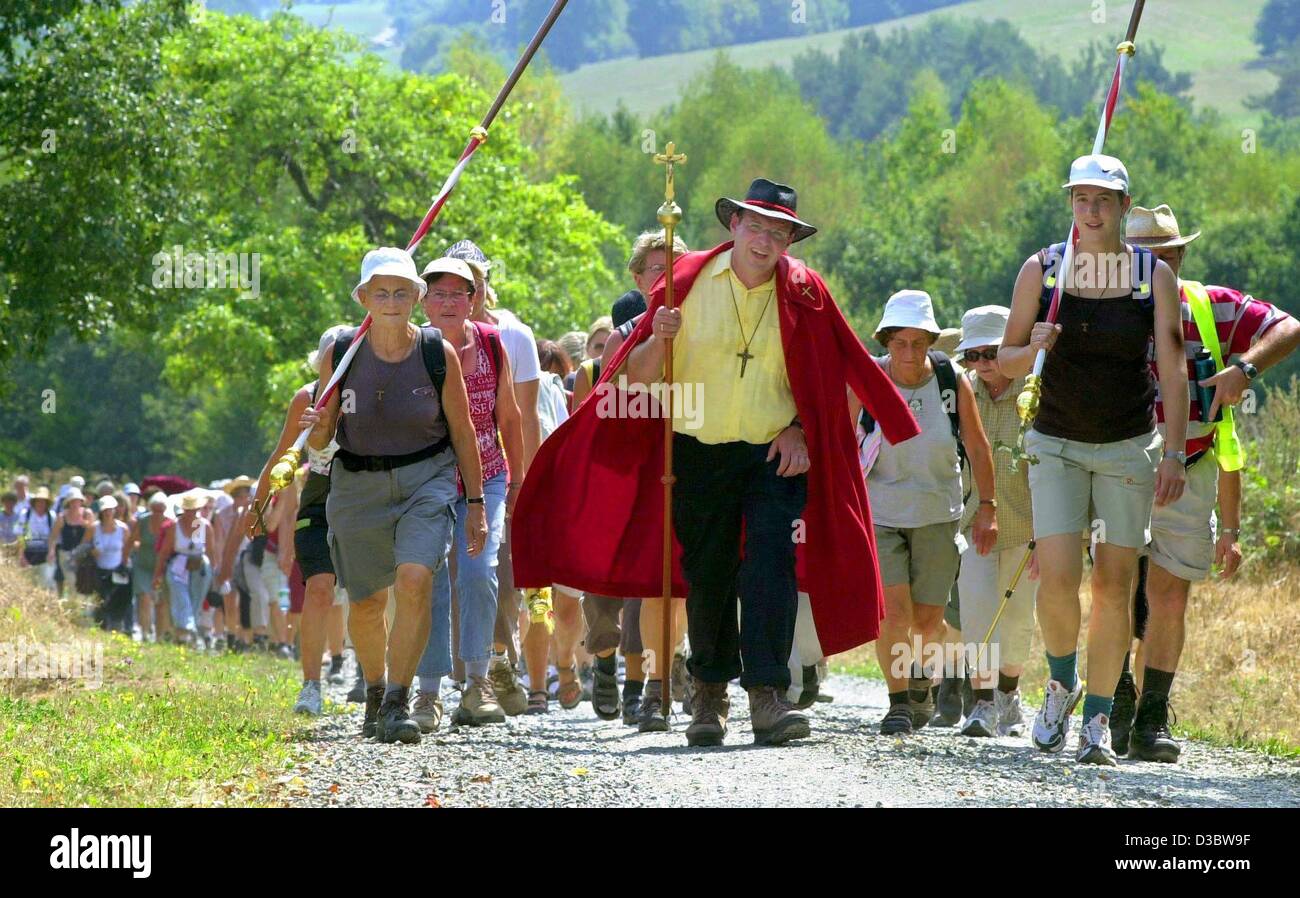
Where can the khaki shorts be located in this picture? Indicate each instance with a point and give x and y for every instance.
(925, 558)
(1102, 489)
(982, 582)
(1182, 534)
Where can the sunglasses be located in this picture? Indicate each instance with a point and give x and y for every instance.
(974, 355)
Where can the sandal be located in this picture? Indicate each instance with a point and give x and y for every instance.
(539, 702)
(570, 693)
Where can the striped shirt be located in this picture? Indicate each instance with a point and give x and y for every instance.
(1240, 320)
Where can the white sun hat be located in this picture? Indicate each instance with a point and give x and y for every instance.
(983, 326)
(910, 308)
(388, 260)
(1098, 170)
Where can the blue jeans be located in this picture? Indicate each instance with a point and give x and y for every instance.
(187, 597)
(476, 588)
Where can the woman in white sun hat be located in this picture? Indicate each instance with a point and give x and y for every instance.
(110, 539)
(182, 557)
(995, 671)
(916, 503)
(1101, 462)
(393, 480)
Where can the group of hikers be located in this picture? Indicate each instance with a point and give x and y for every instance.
(489, 518)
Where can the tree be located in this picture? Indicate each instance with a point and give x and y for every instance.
(1278, 26)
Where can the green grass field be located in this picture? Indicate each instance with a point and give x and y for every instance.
(1208, 38)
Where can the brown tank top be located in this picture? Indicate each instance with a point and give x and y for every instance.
(1097, 382)
(395, 408)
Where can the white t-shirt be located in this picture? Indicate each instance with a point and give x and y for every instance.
(520, 345)
(552, 406)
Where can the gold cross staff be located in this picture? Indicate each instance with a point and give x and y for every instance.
(669, 159)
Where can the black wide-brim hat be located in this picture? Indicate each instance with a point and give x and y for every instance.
(768, 199)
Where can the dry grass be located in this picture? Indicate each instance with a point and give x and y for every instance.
(1239, 677)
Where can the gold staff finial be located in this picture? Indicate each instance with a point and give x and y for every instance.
(670, 159)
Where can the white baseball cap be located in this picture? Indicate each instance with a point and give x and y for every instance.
(983, 326)
(77, 480)
(107, 503)
(1098, 171)
(449, 265)
(910, 308)
(388, 260)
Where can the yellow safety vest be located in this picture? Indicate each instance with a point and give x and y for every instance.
(1227, 446)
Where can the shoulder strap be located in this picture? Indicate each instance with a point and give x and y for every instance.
(1050, 258)
(1144, 262)
(341, 344)
(1227, 444)
(947, 377)
(435, 359)
(492, 337)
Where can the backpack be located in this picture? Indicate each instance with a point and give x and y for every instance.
(592, 367)
(947, 378)
(435, 361)
(1050, 258)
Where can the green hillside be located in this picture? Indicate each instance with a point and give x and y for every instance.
(1208, 38)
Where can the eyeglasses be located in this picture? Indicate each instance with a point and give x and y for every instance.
(974, 355)
(778, 235)
(655, 269)
(444, 296)
(398, 296)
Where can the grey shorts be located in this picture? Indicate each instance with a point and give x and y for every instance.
(381, 519)
(925, 558)
(1182, 534)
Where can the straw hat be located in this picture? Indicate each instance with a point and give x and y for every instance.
(42, 494)
(242, 482)
(193, 500)
(1154, 228)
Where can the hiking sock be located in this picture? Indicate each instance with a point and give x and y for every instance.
(431, 685)
(476, 669)
(1064, 669)
(1158, 682)
(393, 691)
(898, 698)
(336, 663)
(608, 664)
(632, 689)
(1097, 704)
(983, 695)
(918, 689)
(1007, 685)
(653, 689)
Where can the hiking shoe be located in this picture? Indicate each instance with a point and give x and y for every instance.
(897, 721)
(478, 705)
(709, 709)
(682, 683)
(631, 710)
(427, 711)
(651, 718)
(335, 676)
(1121, 714)
(374, 698)
(509, 692)
(1011, 717)
(309, 700)
(1052, 723)
(981, 721)
(1151, 739)
(605, 699)
(357, 693)
(808, 694)
(947, 702)
(923, 708)
(1094, 742)
(395, 724)
(823, 674)
(775, 721)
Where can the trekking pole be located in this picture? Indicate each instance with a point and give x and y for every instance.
(281, 474)
(1027, 401)
(1006, 597)
(669, 215)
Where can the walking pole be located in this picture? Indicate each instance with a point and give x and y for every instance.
(1027, 401)
(669, 214)
(281, 474)
(1006, 597)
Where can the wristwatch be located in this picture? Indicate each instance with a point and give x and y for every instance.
(1235, 531)
(475, 501)
(1247, 369)
(990, 502)
(1181, 456)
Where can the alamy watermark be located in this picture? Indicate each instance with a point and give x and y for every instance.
(651, 401)
(77, 660)
(208, 270)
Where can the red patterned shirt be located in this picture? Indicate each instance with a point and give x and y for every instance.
(481, 384)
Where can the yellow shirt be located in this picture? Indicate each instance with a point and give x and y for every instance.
(727, 407)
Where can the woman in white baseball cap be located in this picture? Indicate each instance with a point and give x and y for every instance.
(1100, 460)
(916, 503)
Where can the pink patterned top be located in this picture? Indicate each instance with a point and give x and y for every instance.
(481, 384)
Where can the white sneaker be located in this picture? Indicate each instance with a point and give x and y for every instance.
(1094, 742)
(1011, 717)
(309, 699)
(982, 720)
(1052, 724)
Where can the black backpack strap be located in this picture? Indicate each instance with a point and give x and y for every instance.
(341, 344)
(1050, 258)
(947, 377)
(1144, 262)
(435, 358)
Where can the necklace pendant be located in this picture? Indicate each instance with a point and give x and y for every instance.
(379, 395)
(915, 404)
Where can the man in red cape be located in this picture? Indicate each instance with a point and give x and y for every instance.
(590, 514)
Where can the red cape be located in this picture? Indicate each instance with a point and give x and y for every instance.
(590, 513)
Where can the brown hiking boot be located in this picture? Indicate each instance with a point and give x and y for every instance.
(775, 720)
(709, 709)
(478, 704)
(509, 692)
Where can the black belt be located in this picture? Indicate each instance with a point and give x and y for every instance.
(353, 462)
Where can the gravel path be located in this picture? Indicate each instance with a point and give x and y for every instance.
(570, 758)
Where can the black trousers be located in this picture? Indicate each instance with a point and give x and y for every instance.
(721, 490)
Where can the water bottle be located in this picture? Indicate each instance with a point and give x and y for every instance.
(284, 597)
(1204, 368)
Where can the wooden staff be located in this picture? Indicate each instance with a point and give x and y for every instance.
(669, 214)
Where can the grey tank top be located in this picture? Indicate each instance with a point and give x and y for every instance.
(918, 482)
(389, 408)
